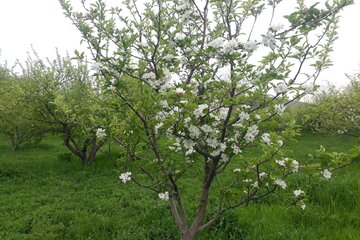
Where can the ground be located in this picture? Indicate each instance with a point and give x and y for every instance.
(44, 195)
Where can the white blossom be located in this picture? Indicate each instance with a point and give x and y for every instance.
(269, 40)
(280, 183)
(189, 146)
(262, 174)
(250, 46)
(187, 120)
(216, 43)
(236, 149)
(212, 142)
(199, 112)
(224, 158)
(229, 46)
(281, 88)
(266, 138)
(194, 131)
(244, 116)
(206, 128)
(280, 162)
(308, 88)
(164, 196)
(100, 133)
(327, 174)
(295, 166)
(251, 133)
(180, 91)
(236, 170)
(302, 205)
(277, 27)
(169, 57)
(255, 184)
(223, 112)
(126, 176)
(143, 44)
(164, 103)
(96, 66)
(112, 88)
(222, 147)
(298, 193)
(215, 153)
(149, 76)
(180, 36)
(183, 6)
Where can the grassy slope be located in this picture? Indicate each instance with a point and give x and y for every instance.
(42, 197)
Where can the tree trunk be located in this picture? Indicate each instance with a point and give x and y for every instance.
(187, 236)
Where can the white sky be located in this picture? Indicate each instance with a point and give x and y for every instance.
(41, 23)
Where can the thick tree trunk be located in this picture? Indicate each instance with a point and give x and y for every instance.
(187, 236)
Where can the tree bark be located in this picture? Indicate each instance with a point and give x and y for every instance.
(187, 236)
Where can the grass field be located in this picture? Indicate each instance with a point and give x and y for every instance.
(45, 197)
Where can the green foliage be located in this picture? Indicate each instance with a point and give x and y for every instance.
(334, 111)
(66, 101)
(17, 111)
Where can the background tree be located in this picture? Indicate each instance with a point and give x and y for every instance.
(17, 112)
(335, 110)
(67, 102)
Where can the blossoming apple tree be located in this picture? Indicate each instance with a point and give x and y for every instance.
(198, 84)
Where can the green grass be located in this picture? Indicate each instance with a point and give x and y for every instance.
(43, 196)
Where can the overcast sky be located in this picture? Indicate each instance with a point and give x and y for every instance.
(41, 23)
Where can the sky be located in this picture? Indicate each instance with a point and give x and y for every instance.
(41, 24)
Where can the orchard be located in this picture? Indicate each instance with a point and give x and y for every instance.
(187, 91)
